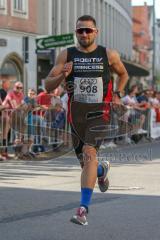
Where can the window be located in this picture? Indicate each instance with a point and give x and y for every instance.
(3, 6)
(20, 8)
(20, 5)
(11, 66)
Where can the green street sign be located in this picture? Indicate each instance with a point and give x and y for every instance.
(55, 41)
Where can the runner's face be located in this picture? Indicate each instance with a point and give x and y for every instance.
(87, 36)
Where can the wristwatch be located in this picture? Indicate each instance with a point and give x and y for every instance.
(119, 94)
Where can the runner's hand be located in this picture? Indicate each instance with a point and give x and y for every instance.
(67, 69)
(116, 99)
(119, 108)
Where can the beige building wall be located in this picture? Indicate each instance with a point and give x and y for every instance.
(114, 19)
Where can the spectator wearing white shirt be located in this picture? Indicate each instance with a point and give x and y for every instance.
(136, 110)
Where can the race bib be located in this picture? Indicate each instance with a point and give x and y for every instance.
(88, 90)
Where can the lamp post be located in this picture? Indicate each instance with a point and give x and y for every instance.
(154, 47)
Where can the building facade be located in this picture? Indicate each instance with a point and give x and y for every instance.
(18, 30)
(113, 17)
(143, 42)
(157, 53)
(114, 20)
(21, 21)
(141, 34)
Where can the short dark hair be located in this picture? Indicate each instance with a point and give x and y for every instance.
(132, 88)
(87, 18)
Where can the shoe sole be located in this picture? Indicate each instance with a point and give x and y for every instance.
(104, 189)
(76, 221)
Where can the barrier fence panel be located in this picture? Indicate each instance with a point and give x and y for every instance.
(154, 124)
(38, 129)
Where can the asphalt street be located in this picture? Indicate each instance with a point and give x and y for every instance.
(37, 198)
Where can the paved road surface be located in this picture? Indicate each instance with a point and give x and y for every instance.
(37, 199)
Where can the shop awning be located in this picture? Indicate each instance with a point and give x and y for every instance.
(135, 69)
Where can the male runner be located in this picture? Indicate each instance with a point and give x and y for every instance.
(86, 70)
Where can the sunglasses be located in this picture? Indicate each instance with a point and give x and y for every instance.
(19, 87)
(32, 94)
(86, 30)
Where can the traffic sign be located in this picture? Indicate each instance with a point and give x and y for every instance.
(3, 42)
(55, 41)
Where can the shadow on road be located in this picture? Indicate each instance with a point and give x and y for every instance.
(42, 214)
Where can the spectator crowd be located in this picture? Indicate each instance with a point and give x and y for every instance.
(26, 119)
(138, 104)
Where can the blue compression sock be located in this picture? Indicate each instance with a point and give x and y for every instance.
(86, 194)
(100, 171)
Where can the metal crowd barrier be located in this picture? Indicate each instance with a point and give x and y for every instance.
(22, 125)
(36, 127)
(138, 130)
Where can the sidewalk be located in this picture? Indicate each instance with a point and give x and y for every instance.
(39, 197)
(64, 174)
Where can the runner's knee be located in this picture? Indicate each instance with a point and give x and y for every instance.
(89, 155)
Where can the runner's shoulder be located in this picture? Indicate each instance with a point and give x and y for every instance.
(113, 55)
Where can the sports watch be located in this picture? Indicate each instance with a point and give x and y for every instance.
(119, 94)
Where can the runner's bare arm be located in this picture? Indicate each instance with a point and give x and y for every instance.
(117, 66)
(59, 72)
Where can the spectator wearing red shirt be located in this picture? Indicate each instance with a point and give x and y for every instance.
(44, 99)
(13, 101)
(15, 97)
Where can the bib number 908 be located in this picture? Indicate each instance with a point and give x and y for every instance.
(88, 89)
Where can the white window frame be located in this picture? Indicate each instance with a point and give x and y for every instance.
(20, 8)
(3, 7)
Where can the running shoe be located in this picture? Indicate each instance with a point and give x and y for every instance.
(141, 131)
(103, 181)
(80, 216)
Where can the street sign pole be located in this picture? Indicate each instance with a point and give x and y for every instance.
(25, 45)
